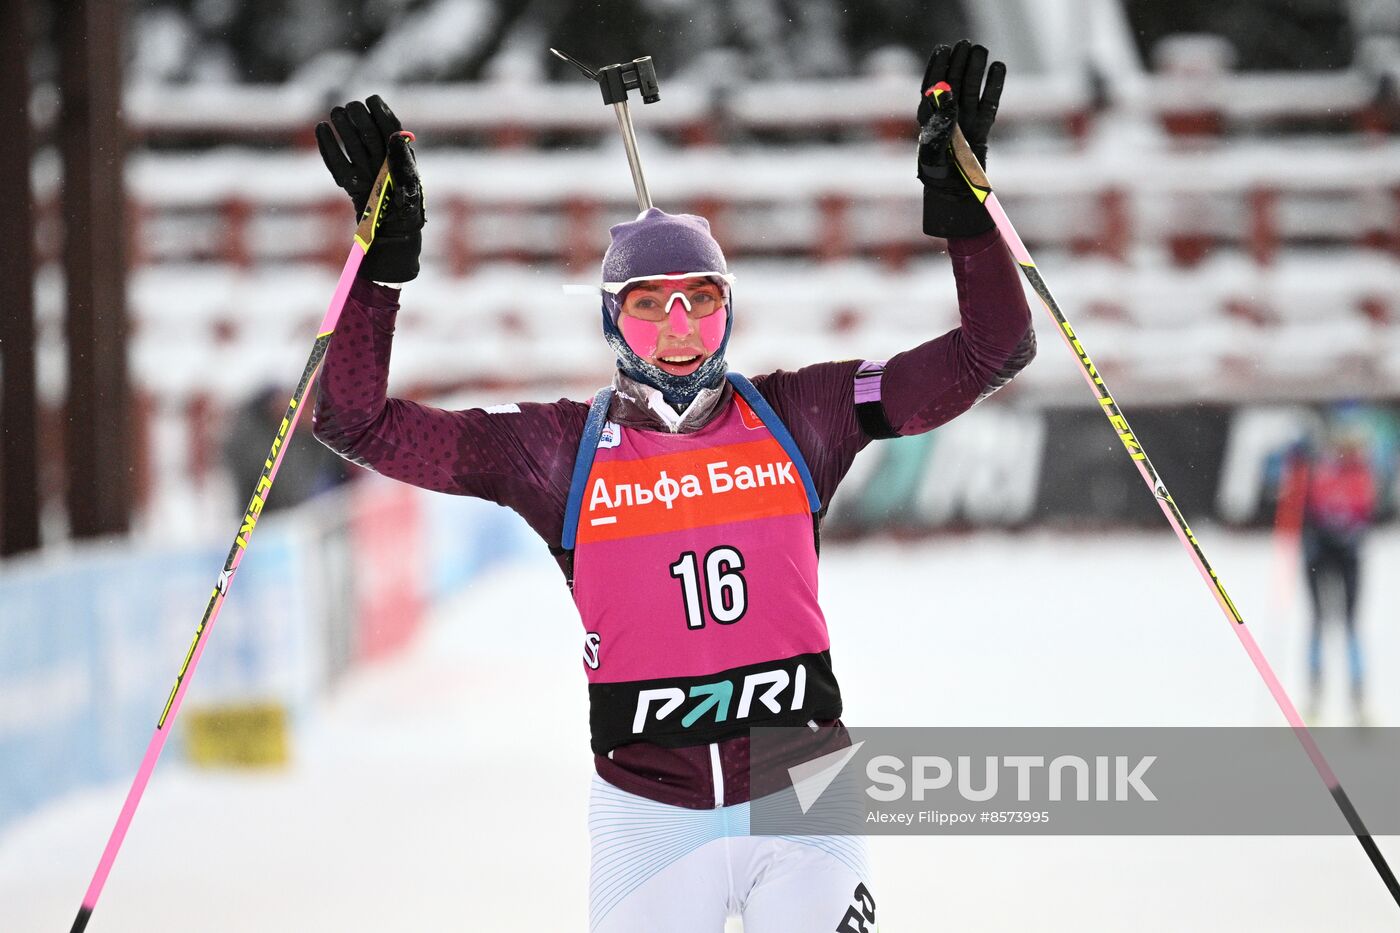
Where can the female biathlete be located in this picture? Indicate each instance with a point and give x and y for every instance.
(683, 504)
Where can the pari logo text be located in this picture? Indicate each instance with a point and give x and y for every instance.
(773, 692)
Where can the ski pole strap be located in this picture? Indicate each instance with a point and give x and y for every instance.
(583, 464)
(870, 410)
(775, 425)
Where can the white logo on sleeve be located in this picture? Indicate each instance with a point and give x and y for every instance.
(591, 642)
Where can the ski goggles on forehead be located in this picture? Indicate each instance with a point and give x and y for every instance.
(722, 279)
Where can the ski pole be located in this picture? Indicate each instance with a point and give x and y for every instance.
(364, 238)
(616, 81)
(976, 179)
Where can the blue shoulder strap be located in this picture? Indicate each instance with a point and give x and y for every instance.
(583, 464)
(775, 425)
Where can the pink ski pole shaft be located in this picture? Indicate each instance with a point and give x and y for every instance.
(976, 179)
(364, 237)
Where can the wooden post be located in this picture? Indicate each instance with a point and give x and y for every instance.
(1264, 233)
(19, 438)
(580, 228)
(92, 140)
(1117, 223)
(833, 233)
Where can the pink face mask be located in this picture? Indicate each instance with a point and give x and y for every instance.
(644, 336)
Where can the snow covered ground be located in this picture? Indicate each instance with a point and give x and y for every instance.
(446, 789)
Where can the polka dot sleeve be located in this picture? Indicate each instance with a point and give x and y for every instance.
(519, 456)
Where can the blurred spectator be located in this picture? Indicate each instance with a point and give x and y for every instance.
(1338, 491)
(307, 469)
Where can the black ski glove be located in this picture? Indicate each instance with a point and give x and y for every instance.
(366, 132)
(950, 207)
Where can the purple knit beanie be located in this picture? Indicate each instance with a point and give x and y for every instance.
(658, 243)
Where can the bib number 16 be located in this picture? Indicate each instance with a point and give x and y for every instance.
(725, 592)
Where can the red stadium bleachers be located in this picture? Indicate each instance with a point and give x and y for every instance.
(1228, 236)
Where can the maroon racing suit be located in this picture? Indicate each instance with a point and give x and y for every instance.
(524, 459)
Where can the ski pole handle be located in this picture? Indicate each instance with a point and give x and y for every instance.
(968, 166)
(374, 204)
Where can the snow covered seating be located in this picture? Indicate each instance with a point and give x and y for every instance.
(858, 107)
(1264, 264)
(244, 209)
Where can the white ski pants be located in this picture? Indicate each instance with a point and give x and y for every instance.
(656, 867)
